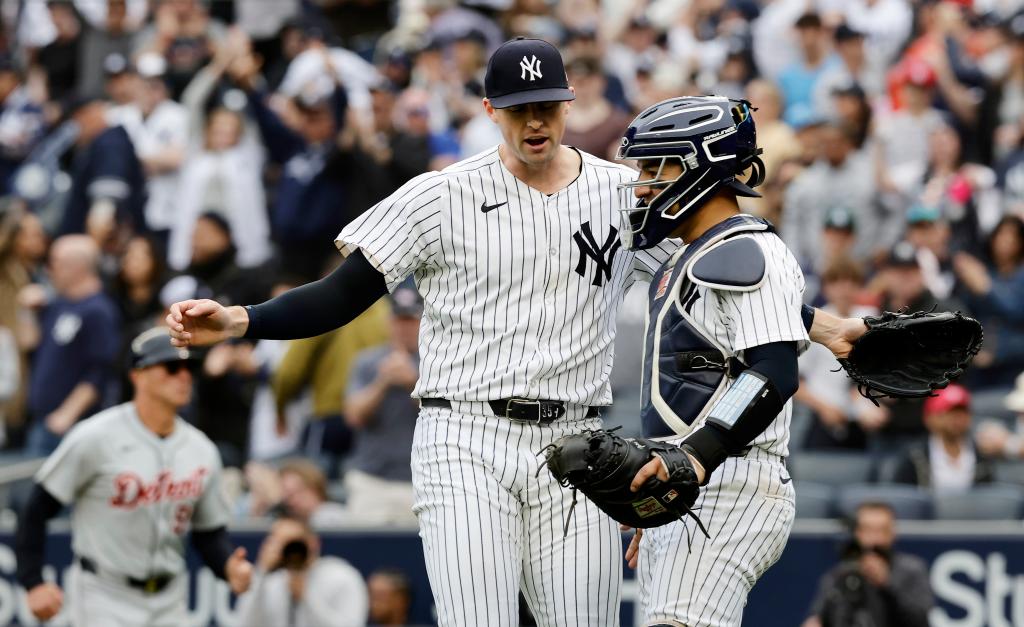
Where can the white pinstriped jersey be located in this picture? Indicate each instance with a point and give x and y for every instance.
(736, 321)
(520, 288)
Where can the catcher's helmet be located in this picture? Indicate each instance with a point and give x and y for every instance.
(713, 138)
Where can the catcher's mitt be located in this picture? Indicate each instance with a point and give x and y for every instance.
(910, 355)
(602, 465)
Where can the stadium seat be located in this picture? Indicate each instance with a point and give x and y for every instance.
(839, 468)
(909, 502)
(983, 502)
(814, 500)
(1010, 472)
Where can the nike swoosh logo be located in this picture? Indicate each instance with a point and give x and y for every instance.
(484, 207)
(786, 480)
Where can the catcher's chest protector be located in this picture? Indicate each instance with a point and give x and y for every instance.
(684, 369)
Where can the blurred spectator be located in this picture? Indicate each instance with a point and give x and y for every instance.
(873, 584)
(994, 439)
(390, 598)
(902, 136)
(764, 95)
(107, 182)
(59, 59)
(22, 122)
(634, 52)
(994, 291)
(80, 336)
(324, 365)
(316, 71)
(295, 585)
(213, 266)
(850, 107)
(964, 193)
(853, 69)
(886, 24)
(838, 237)
(383, 156)
(940, 50)
(841, 177)
(222, 173)
(108, 27)
(929, 234)
(184, 33)
(136, 290)
(310, 192)
(30, 244)
(15, 329)
(159, 130)
(800, 80)
(595, 125)
(840, 415)
(304, 495)
(948, 460)
(1004, 104)
(1010, 176)
(292, 40)
(120, 85)
(275, 431)
(382, 414)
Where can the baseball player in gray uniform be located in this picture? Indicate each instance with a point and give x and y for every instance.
(138, 478)
(724, 327)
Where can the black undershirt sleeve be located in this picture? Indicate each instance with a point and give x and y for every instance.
(321, 306)
(214, 547)
(30, 540)
(807, 315)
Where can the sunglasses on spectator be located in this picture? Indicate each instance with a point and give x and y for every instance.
(174, 367)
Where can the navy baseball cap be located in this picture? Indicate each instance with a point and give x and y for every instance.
(154, 347)
(522, 71)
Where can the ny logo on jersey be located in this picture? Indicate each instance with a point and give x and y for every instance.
(602, 256)
(532, 66)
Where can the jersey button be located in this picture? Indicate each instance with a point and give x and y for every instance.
(552, 252)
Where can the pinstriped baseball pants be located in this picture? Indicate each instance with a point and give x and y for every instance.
(491, 518)
(748, 508)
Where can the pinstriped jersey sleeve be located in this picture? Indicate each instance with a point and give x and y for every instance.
(647, 262)
(399, 234)
(770, 313)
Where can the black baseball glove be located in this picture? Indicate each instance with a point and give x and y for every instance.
(910, 355)
(602, 465)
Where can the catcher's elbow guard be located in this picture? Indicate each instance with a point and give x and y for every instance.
(746, 410)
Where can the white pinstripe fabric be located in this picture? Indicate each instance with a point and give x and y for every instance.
(771, 313)
(513, 306)
(491, 523)
(506, 312)
(749, 513)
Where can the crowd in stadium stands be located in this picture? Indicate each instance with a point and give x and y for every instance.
(158, 150)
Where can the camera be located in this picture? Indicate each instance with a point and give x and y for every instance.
(294, 555)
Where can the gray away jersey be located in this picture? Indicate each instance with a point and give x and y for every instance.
(135, 494)
(521, 288)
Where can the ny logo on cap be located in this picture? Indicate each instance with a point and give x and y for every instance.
(532, 66)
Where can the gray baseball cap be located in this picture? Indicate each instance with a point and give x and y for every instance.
(154, 347)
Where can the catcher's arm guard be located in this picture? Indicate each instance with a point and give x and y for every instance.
(910, 355)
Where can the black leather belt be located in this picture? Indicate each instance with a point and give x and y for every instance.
(520, 409)
(152, 585)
